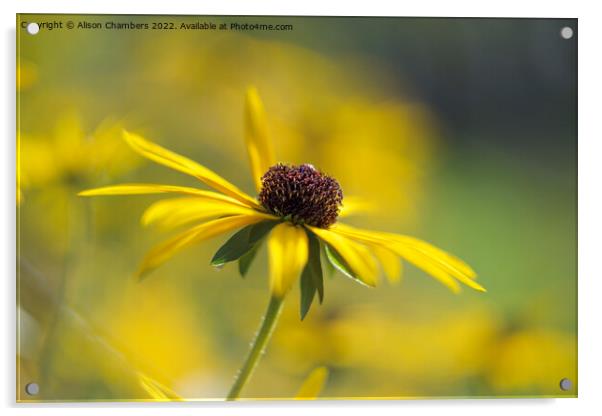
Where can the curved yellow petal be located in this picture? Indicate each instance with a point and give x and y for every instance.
(172, 160)
(313, 384)
(157, 390)
(424, 251)
(470, 283)
(357, 256)
(390, 262)
(448, 258)
(417, 252)
(452, 264)
(166, 250)
(151, 188)
(259, 146)
(429, 267)
(287, 255)
(174, 212)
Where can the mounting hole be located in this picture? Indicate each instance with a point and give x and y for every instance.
(566, 32)
(32, 389)
(566, 384)
(33, 28)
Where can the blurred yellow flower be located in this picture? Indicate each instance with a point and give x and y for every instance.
(444, 348)
(71, 155)
(151, 343)
(534, 359)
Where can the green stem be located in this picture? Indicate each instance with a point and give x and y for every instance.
(257, 346)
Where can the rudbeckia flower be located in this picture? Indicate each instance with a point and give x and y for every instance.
(296, 210)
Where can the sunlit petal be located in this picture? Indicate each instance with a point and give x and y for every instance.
(150, 188)
(157, 390)
(448, 258)
(357, 256)
(287, 252)
(470, 283)
(390, 262)
(452, 264)
(429, 267)
(172, 160)
(313, 384)
(166, 250)
(173, 212)
(259, 146)
(421, 255)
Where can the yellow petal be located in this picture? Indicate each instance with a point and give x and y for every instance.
(173, 212)
(417, 252)
(438, 257)
(259, 146)
(389, 261)
(429, 267)
(353, 205)
(424, 263)
(450, 263)
(157, 390)
(172, 160)
(313, 384)
(166, 250)
(287, 254)
(147, 189)
(448, 258)
(357, 256)
(470, 283)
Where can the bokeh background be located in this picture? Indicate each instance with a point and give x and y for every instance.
(461, 132)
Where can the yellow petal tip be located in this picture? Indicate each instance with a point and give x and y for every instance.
(313, 384)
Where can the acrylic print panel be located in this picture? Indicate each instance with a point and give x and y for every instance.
(243, 208)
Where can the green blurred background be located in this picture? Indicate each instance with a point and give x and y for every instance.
(461, 132)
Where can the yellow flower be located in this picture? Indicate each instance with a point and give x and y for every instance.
(297, 210)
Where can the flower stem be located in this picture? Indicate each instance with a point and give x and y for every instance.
(257, 346)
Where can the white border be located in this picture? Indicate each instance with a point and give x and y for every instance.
(590, 206)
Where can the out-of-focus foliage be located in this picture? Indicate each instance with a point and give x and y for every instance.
(88, 331)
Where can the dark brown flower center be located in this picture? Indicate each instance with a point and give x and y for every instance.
(301, 194)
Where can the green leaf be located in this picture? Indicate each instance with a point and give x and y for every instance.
(260, 230)
(315, 264)
(241, 243)
(244, 263)
(340, 264)
(308, 291)
(311, 278)
(328, 267)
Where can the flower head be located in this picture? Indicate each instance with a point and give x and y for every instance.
(296, 211)
(301, 194)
